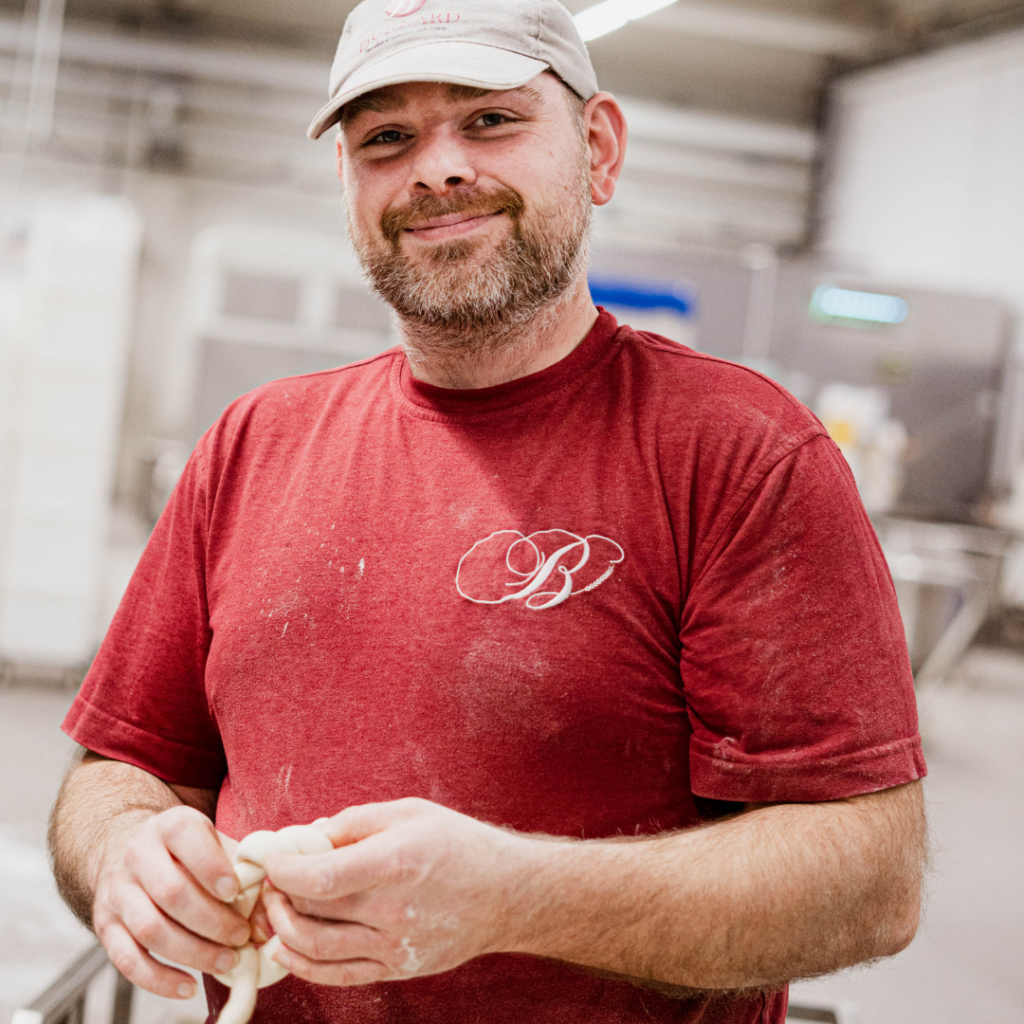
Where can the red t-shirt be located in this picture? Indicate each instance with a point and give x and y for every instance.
(576, 603)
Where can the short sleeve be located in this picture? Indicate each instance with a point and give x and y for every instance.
(144, 699)
(794, 664)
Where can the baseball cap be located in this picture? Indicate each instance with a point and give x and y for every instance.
(490, 44)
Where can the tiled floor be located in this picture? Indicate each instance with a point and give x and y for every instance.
(964, 968)
(967, 964)
(37, 933)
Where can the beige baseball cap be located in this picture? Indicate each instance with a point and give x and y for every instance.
(490, 44)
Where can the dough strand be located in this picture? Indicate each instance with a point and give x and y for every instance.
(256, 967)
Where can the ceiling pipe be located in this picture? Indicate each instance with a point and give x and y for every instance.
(308, 75)
(189, 60)
(42, 92)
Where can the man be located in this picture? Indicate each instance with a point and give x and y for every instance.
(580, 639)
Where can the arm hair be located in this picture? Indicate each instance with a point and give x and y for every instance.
(102, 800)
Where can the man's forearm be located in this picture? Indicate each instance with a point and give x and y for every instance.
(776, 893)
(100, 803)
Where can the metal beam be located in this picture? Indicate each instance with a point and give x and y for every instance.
(667, 124)
(295, 76)
(762, 28)
(728, 169)
(248, 66)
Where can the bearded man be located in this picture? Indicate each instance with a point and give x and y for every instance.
(580, 640)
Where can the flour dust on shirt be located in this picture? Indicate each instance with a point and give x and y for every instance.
(577, 603)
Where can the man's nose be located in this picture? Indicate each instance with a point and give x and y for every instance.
(441, 163)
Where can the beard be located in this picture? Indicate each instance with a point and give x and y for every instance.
(449, 295)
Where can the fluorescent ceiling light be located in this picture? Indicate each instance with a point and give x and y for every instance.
(609, 15)
(843, 304)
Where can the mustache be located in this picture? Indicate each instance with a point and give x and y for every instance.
(472, 201)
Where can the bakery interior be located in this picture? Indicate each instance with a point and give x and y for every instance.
(827, 191)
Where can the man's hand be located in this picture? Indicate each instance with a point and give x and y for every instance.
(161, 889)
(139, 861)
(413, 888)
(775, 893)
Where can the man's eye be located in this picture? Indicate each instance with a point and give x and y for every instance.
(386, 138)
(490, 120)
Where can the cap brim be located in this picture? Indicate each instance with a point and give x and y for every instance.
(460, 63)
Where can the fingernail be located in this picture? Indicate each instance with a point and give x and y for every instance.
(226, 962)
(187, 989)
(259, 933)
(283, 958)
(226, 887)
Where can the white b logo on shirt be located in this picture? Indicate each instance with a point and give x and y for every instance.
(541, 570)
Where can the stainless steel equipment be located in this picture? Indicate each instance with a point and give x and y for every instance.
(937, 368)
(947, 582)
(939, 358)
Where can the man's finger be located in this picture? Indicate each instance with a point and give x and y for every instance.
(327, 941)
(153, 930)
(341, 872)
(176, 892)
(355, 907)
(346, 973)
(259, 924)
(142, 969)
(364, 820)
(228, 845)
(193, 840)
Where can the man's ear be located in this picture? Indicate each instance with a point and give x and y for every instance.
(339, 161)
(605, 126)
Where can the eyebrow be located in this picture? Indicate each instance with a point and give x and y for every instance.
(388, 99)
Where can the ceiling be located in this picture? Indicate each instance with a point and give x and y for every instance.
(764, 59)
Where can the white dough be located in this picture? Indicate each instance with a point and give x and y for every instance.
(256, 968)
(242, 981)
(270, 970)
(256, 846)
(249, 874)
(306, 839)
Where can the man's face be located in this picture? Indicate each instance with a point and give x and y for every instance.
(469, 210)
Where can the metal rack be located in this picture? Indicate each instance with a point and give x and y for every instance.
(64, 1001)
(947, 579)
(825, 1014)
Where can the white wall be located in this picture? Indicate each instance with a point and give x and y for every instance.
(68, 301)
(927, 169)
(925, 183)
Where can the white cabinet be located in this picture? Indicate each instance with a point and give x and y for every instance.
(67, 292)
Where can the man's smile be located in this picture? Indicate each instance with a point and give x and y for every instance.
(451, 225)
